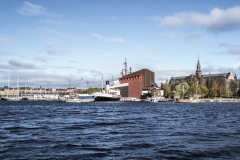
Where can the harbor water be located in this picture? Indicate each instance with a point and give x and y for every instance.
(119, 130)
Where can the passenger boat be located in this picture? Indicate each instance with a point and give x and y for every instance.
(108, 95)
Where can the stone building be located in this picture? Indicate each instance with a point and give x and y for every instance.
(204, 79)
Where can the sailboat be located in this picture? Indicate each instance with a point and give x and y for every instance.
(14, 98)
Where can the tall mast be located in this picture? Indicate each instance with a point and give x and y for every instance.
(8, 86)
(125, 64)
(17, 87)
(102, 83)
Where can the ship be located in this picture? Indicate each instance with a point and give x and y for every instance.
(14, 98)
(107, 95)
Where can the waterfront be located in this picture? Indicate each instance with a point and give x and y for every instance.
(119, 130)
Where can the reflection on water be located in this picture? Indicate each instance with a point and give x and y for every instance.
(43, 130)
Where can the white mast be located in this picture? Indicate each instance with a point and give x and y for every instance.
(8, 86)
(17, 87)
(102, 83)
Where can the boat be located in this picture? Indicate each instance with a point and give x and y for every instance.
(61, 99)
(14, 99)
(17, 98)
(108, 95)
(154, 99)
(73, 100)
(86, 97)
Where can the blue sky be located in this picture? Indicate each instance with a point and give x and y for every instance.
(54, 43)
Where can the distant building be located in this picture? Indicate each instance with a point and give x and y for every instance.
(136, 84)
(203, 79)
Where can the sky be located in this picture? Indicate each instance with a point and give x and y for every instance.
(60, 43)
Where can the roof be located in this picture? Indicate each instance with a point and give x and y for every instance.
(216, 75)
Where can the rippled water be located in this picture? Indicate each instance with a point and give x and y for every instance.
(135, 130)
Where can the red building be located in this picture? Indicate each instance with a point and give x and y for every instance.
(137, 82)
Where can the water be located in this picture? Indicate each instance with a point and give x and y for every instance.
(134, 130)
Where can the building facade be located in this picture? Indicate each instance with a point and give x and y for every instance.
(137, 82)
(222, 78)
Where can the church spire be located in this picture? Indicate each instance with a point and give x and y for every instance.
(198, 71)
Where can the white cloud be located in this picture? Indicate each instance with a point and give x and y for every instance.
(53, 49)
(5, 41)
(97, 36)
(193, 36)
(29, 9)
(55, 21)
(6, 53)
(230, 48)
(46, 32)
(20, 64)
(217, 20)
(112, 39)
(41, 59)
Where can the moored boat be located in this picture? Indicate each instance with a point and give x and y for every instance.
(108, 95)
(73, 100)
(86, 98)
(14, 99)
(61, 99)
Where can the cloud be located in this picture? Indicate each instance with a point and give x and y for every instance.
(230, 48)
(193, 36)
(52, 49)
(17, 63)
(46, 32)
(217, 20)
(55, 22)
(112, 39)
(6, 53)
(29, 9)
(41, 59)
(96, 73)
(97, 36)
(4, 41)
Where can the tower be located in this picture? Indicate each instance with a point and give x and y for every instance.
(198, 71)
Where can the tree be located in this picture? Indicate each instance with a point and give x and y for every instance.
(166, 90)
(233, 87)
(203, 91)
(191, 80)
(212, 93)
(181, 89)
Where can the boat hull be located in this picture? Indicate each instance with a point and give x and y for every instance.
(61, 99)
(14, 99)
(102, 98)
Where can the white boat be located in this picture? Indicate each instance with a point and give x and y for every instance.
(154, 99)
(86, 97)
(61, 99)
(108, 95)
(17, 98)
(74, 100)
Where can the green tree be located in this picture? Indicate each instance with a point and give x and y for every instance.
(181, 89)
(167, 91)
(203, 91)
